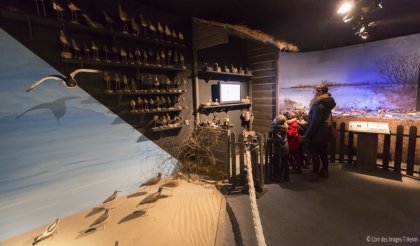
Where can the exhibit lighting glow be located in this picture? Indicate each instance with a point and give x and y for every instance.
(347, 18)
(345, 8)
(362, 29)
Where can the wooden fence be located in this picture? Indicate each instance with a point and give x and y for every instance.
(342, 149)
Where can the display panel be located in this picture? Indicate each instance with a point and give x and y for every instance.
(230, 92)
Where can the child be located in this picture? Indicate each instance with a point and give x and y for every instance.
(293, 140)
(280, 149)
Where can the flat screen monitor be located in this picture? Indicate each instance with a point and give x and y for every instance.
(230, 92)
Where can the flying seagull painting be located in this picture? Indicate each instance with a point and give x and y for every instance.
(69, 81)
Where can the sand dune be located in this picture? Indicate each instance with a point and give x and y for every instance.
(188, 217)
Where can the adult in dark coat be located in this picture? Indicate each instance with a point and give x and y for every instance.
(318, 132)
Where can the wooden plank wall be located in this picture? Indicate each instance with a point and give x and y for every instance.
(262, 61)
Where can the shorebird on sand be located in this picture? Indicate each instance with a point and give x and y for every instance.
(50, 230)
(152, 198)
(101, 221)
(172, 183)
(68, 81)
(111, 198)
(152, 181)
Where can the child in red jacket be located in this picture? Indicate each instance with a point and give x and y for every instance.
(293, 139)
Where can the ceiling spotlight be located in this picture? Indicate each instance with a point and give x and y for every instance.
(378, 4)
(345, 7)
(362, 29)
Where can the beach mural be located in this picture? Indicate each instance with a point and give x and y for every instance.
(368, 77)
(60, 150)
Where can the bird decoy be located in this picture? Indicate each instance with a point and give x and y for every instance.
(101, 221)
(163, 57)
(176, 59)
(169, 58)
(115, 52)
(76, 49)
(43, 7)
(107, 79)
(58, 9)
(143, 24)
(181, 37)
(92, 23)
(86, 50)
(174, 36)
(65, 41)
(123, 54)
(124, 17)
(68, 81)
(106, 51)
(49, 231)
(111, 198)
(95, 50)
(137, 54)
(73, 9)
(160, 30)
(125, 82)
(182, 59)
(152, 198)
(156, 83)
(145, 57)
(140, 103)
(168, 33)
(117, 82)
(133, 85)
(152, 181)
(158, 59)
(109, 21)
(135, 27)
(130, 57)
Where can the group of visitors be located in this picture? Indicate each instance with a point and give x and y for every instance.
(296, 136)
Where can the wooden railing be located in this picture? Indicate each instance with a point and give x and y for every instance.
(347, 150)
(342, 149)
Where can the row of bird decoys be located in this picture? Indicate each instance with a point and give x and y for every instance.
(403, 114)
(157, 104)
(143, 83)
(97, 52)
(134, 25)
(100, 223)
(163, 121)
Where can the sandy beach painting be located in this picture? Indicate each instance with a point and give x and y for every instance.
(61, 151)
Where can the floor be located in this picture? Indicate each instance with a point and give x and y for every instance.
(349, 208)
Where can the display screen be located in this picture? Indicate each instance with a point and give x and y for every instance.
(230, 92)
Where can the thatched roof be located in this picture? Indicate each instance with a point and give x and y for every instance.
(248, 33)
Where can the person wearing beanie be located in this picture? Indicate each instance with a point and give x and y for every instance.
(280, 149)
(317, 133)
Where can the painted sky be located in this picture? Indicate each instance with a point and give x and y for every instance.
(55, 166)
(351, 64)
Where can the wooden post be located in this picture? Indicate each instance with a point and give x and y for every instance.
(398, 149)
(333, 144)
(228, 156)
(386, 150)
(233, 156)
(341, 143)
(411, 150)
(266, 161)
(241, 160)
(418, 93)
(350, 151)
(261, 158)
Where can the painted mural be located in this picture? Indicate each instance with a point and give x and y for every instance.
(365, 78)
(60, 150)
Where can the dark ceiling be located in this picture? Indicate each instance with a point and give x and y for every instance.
(310, 24)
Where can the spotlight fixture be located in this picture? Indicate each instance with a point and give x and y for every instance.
(345, 7)
(355, 13)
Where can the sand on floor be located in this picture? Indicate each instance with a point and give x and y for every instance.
(187, 216)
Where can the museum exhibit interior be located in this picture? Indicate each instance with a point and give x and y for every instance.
(152, 122)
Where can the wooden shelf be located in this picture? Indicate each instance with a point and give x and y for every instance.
(69, 26)
(155, 111)
(208, 75)
(146, 93)
(158, 129)
(222, 108)
(90, 63)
